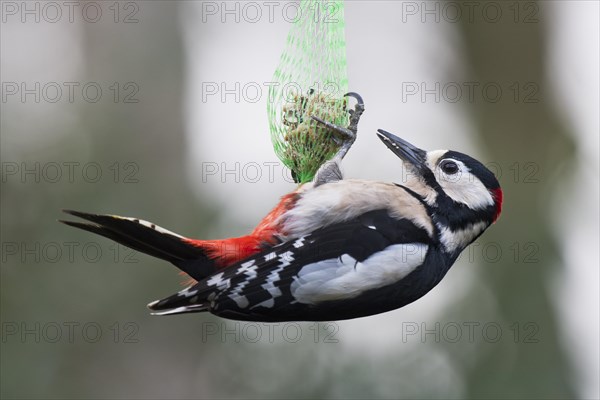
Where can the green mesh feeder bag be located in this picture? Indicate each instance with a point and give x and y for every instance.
(311, 80)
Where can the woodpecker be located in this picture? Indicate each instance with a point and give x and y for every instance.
(353, 248)
(201, 258)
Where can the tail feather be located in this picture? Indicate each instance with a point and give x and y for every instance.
(191, 299)
(120, 238)
(148, 238)
(182, 310)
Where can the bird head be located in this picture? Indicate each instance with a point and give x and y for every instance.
(458, 187)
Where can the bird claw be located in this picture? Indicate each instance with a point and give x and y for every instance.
(330, 170)
(355, 114)
(348, 134)
(356, 96)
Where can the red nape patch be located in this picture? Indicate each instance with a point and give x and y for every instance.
(498, 197)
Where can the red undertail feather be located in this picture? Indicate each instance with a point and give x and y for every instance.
(225, 252)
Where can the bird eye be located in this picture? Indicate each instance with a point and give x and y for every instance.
(449, 167)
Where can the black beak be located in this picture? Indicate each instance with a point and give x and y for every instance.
(406, 151)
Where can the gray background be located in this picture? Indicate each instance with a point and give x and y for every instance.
(516, 317)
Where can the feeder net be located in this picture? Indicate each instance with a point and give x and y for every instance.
(311, 79)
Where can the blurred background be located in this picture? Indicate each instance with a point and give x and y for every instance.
(157, 110)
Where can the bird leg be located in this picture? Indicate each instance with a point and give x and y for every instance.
(330, 170)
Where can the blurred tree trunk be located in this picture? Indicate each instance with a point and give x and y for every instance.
(142, 62)
(523, 134)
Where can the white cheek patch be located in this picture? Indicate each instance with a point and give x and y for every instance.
(467, 189)
(461, 238)
(462, 187)
(344, 277)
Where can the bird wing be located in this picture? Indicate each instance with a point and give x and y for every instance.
(332, 263)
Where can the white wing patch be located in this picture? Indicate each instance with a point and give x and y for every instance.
(249, 269)
(187, 292)
(299, 242)
(344, 277)
(218, 281)
(285, 259)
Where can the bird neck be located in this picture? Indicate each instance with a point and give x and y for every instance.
(457, 225)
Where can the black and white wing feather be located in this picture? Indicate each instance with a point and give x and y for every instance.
(294, 280)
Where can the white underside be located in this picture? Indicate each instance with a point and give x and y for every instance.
(342, 201)
(344, 278)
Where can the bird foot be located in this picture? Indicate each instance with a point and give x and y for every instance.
(330, 171)
(348, 135)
